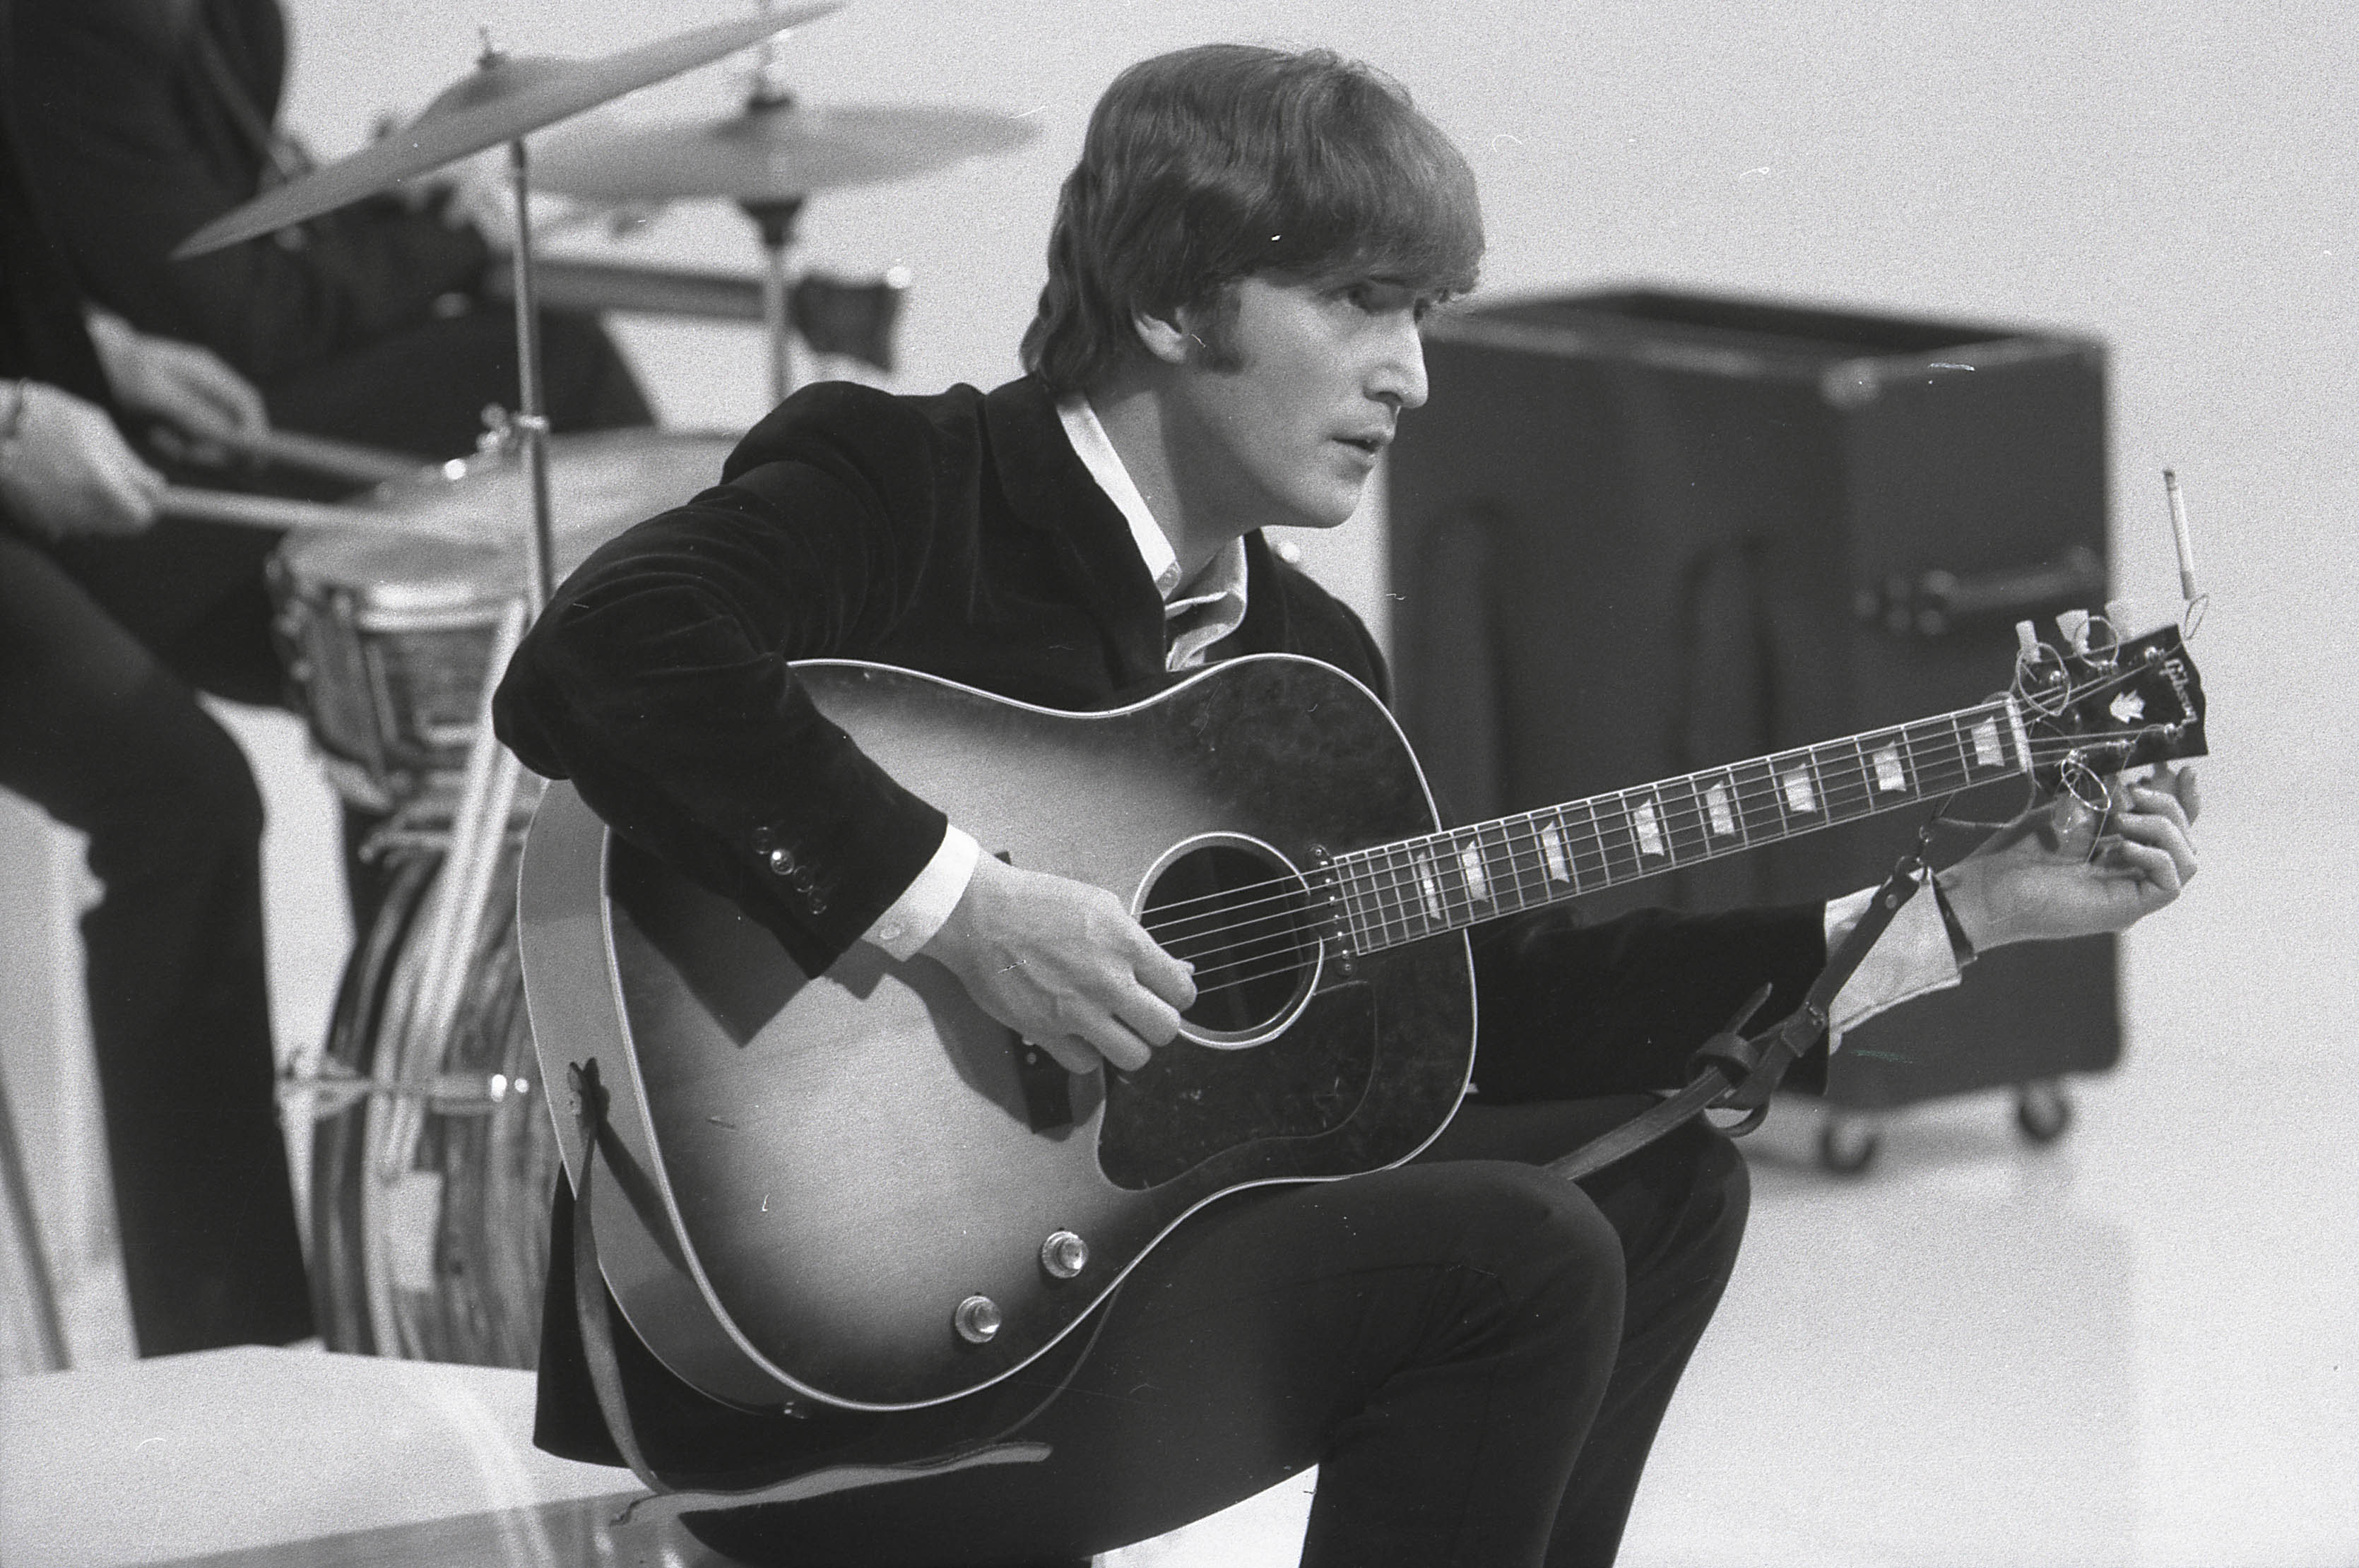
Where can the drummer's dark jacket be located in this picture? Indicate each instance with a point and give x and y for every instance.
(961, 535)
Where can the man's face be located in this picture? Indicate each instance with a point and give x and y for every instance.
(1283, 414)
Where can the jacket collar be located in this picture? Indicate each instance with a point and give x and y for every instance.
(1049, 488)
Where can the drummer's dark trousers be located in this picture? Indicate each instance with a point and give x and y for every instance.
(1477, 1355)
(100, 728)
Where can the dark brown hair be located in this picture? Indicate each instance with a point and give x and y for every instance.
(1209, 164)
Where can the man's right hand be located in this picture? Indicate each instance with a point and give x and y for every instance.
(69, 471)
(1063, 964)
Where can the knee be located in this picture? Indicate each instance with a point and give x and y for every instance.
(187, 801)
(1541, 1238)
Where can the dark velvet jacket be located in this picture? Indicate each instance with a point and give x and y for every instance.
(960, 534)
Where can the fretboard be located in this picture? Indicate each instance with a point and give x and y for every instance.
(1405, 891)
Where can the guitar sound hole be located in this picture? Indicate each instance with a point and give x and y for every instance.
(1237, 913)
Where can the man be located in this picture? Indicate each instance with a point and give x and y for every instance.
(1476, 1354)
(99, 726)
(142, 120)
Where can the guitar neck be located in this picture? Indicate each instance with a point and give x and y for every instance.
(1395, 894)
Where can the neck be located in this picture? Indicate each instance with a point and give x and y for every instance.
(1197, 500)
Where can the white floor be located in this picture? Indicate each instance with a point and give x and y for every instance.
(2138, 1349)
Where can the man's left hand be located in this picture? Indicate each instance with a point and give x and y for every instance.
(2063, 870)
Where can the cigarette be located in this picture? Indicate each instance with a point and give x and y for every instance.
(2179, 535)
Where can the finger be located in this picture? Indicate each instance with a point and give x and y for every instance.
(1158, 971)
(2161, 834)
(2182, 783)
(1115, 1041)
(1148, 1016)
(2150, 864)
(2146, 802)
(237, 397)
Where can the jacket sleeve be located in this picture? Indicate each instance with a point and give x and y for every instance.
(129, 152)
(658, 680)
(1568, 1011)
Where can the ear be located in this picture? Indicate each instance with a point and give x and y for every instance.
(1165, 338)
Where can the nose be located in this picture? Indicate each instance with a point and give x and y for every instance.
(1397, 376)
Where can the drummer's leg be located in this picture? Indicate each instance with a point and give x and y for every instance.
(423, 390)
(107, 740)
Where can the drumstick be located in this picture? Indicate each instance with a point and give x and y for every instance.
(254, 511)
(320, 455)
(271, 511)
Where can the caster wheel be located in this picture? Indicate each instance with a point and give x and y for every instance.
(1846, 1145)
(2043, 1110)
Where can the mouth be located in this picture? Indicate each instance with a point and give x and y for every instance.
(1373, 443)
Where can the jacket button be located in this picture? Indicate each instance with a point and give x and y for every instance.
(782, 862)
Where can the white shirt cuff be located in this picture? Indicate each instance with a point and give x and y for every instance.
(926, 902)
(1912, 958)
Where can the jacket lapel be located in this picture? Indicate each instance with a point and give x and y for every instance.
(1049, 489)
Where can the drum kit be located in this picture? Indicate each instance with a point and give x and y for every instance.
(433, 1154)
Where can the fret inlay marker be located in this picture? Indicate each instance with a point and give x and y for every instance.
(1430, 888)
(1717, 807)
(1890, 774)
(1644, 822)
(1799, 793)
(1986, 747)
(1470, 862)
(1552, 852)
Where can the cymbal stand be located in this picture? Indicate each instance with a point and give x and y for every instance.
(776, 220)
(774, 217)
(479, 827)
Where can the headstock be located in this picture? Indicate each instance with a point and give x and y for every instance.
(2106, 705)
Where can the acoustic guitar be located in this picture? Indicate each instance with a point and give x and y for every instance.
(856, 1187)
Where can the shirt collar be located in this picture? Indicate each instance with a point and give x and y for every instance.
(1223, 577)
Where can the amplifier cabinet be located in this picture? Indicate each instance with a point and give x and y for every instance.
(1636, 533)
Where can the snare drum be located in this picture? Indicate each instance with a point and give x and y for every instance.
(387, 635)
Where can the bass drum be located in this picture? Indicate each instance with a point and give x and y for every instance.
(430, 1187)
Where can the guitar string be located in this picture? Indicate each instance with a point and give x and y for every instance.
(1284, 923)
(1842, 784)
(1510, 860)
(1771, 785)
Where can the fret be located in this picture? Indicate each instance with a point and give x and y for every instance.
(1845, 767)
(1583, 846)
(1617, 845)
(1556, 863)
(1723, 815)
(1369, 895)
(1691, 839)
(1507, 866)
(1400, 915)
(1887, 765)
(1650, 828)
(1758, 809)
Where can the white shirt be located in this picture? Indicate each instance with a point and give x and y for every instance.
(1912, 958)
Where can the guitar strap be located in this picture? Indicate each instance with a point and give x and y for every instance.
(606, 1379)
(1732, 1072)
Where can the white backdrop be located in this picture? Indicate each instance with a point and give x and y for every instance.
(2176, 176)
(2172, 175)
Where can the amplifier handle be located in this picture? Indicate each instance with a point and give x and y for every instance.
(1936, 602)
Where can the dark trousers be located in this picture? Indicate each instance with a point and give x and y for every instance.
(1474, 1353)
(101, 733)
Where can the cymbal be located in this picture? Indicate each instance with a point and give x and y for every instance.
(503, 98)
(769, 152)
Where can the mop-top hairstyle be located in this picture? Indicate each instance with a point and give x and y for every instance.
(1208, 165)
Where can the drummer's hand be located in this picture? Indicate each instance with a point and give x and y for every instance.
(175, 381)
(68, 470)
(1060, 963)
